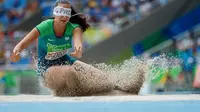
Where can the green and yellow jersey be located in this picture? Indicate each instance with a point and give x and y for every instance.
(52, 50)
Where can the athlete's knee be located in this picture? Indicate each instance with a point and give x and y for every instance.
(58, 76)
(52, 78)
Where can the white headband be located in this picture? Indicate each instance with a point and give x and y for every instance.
(60, 11)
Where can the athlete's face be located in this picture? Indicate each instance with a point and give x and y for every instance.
(63, 19)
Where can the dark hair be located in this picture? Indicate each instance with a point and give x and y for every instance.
(78, 19)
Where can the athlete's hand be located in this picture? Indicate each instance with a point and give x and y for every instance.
(77, 52)
(15, 56)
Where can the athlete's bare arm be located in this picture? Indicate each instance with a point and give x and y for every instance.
(78, 43)
(27, 40)
(23, 44)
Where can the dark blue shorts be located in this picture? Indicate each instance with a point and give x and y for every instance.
(44, 64)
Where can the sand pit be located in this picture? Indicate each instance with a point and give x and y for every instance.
(121, 98)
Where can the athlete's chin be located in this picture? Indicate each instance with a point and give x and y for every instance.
(63, 23)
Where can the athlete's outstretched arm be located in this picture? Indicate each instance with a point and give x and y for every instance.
(23, 44)
(78, 42)
(27, 40)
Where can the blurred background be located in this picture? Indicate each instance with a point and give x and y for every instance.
(120, 30)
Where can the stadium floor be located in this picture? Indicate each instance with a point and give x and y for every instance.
(148, 103)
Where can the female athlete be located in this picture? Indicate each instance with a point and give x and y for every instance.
(61, 71)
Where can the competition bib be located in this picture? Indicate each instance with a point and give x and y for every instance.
(56, 51)
(55, 55)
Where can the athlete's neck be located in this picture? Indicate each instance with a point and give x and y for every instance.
(59, 29)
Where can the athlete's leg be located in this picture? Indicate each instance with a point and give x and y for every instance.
(60, 77)
(65, 91)
(91, 80)
(80, 79)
